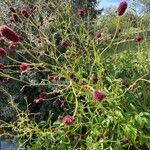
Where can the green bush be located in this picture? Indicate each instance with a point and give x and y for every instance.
(52, 104)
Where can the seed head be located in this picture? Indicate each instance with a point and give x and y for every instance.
(38, 100)
(2, 52)
(64, 44)
(98, 95)
(12, 46)
(68, 120)
(71, 75)
(138, 39)
(12, 9)
(9, 33)
(23, 67)
(43, 95)
(95, 79)
(1, 66)
(15, 18)
(80, 12)
(122, 8)
(24, 13)
(97, 35)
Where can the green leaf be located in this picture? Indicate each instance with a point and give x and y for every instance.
(130, 132)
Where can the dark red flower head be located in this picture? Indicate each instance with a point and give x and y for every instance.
(123, 82)
(1, 66)
(24, 13)
(38, 100)
(97, 35)
(138, 39)
(23, 67)
(15, 18)
(80, 12)
(68, 120)
(9, 34)
(64, 44)
(122, 8)
(12, 9)
(54, 103)
(12, 46)
(43, 95)
(95, 79)
(98, 95)
(50, 78)
(71, 75)
(2, 52)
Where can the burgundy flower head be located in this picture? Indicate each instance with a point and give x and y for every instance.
(71, 75)
(123, 82)
(95, 79)
(122, 8)
(64, 44)
(43, 95)
(24, 13)
(54, 103)
(38, 100)
(9, 34)
(98, 95)
(23, 67)
(53, 78)
(97, 35)
(2, 52)
(80, 12)
(1, 66)
(12, 46)
(138, 39)
(15, 18)
(12, 9)
(68, 120)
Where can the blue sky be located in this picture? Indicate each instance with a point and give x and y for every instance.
(107, 3)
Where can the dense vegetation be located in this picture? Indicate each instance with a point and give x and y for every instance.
(72, 78)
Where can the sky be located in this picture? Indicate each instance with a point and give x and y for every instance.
(107, 3)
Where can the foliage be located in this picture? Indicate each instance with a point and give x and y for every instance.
(61, 44)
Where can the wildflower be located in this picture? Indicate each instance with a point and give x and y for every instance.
(38, 100)
(12, 9)
(9, 34)
(138, 39)
(2, 52)
(98, 95)
(12, 46)
(122, 8)
(50, 78)
(95, 79)
(15, 18)
(24, 13)
(80, 12)
(54, 103)
(56, 78)
(43, 95)
(64, 44)
(71, 75)
(68, 120)
(123, 82)
(1, 66)
(97, 35)
(23, 67)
